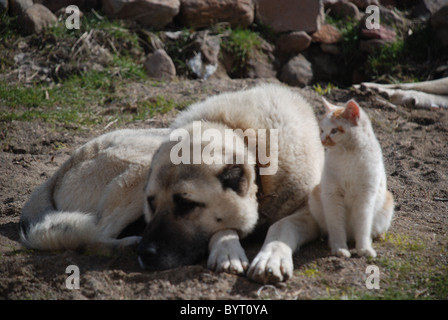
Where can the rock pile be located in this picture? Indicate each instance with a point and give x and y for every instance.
(302, 48)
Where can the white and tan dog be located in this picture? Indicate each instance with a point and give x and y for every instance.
(193, 207)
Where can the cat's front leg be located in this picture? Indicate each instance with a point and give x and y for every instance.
(335, 216)
(362, 219)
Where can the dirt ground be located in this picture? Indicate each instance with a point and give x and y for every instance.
(412, 257)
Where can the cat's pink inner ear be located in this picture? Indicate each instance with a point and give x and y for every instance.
(328, 106)
(351, 112)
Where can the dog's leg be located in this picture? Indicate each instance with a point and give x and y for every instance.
(226, 253)
(274, 261)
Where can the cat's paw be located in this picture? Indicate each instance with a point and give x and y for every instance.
(366, 252)
(341, 252)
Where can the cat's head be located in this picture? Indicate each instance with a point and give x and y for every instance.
(338, 123)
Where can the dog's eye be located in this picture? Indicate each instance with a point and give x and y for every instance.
(150, 200)
(183, 206)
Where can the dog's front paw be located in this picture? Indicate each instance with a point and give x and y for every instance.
(272, 264)
(226, 253)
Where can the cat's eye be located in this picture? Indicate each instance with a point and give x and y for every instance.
(334, 131)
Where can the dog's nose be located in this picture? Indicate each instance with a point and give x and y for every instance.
(147, 254)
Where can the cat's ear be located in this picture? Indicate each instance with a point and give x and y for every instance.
(328, 106)
(351, 112)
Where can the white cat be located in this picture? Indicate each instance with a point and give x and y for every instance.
(352, 201)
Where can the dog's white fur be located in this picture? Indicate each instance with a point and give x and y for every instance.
(426, 94)
(100, 189)
(94, 194)
(300, 158)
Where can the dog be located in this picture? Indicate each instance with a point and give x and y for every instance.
(431, 94)
(192, 207)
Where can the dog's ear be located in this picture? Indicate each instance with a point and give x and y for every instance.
(234, 177)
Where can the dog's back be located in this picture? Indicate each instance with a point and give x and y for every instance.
(82, 202)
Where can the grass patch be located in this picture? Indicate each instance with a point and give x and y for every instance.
(71, 101)
(413, 272)
(311, 271)
(83, 68)
(404, 243)
(323, 91)
(242, 44)
(386, 59)
(350, 34)
(158, 105)
(79, 101)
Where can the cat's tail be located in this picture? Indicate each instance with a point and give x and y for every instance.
(383, 217)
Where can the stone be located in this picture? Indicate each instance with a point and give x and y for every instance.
(426, 8)
(36, 19)
(330, 48)
(208, 45)
(325, 67)
(297, 72)
(373, 39)
(389, 3)
(345, 9)
(203, 13)
(439, 24)
(260, 67)
(290, 15)
(18, 7)
(362, 4)
(83, 5)
(205, 62)
(159, 65)
(384, 33)
(4, 5)
(293, 42)
(151, 13)
(329, 3)
(371, 45)
(392, 18)
(327, 34)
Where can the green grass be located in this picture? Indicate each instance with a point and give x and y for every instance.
(310, 271)
(322, 91)
(242, 44)
(350, 34)
(76, 98)
(410, 268)
(413, 271)
(386, 59)
(78, 101)
(67, 102)
(149, 108)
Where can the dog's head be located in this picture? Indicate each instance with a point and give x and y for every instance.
(186, 203)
